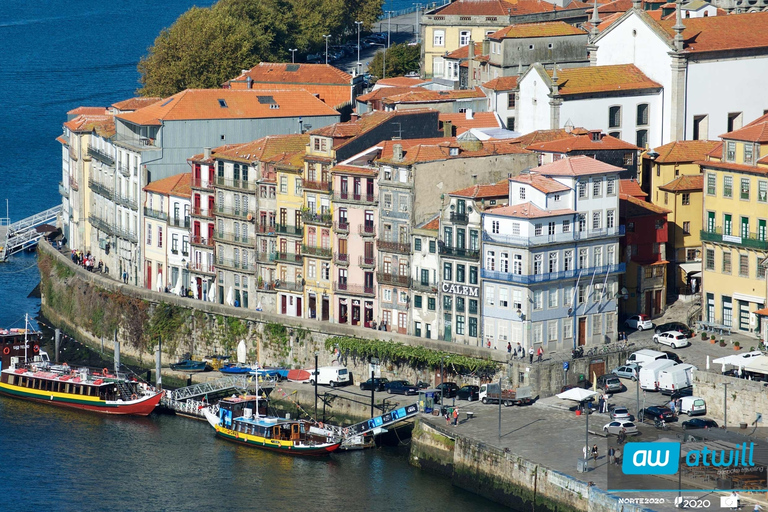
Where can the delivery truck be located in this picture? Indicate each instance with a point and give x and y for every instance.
(676, 378)
(492, 393)
(649, 374)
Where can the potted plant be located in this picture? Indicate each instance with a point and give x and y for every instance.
(722, 342)
(703, 336)
(736, 345)
(712, 339)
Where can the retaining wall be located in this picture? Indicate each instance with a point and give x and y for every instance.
(744, 397)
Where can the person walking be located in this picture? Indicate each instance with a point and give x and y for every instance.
(455, 417)
(757, 508)
(530, 355)
(539, 353)
(617, 457)
(622, 436)
(594, 452)
(509, 348)
(125, 276)
(519, 352)
(611, 455)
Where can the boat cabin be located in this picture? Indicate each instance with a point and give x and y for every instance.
(74, 383)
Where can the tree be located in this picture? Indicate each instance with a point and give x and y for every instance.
(401, 59)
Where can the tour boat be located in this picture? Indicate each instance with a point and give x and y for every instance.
(237, 422)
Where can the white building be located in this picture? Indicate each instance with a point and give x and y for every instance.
(424, 280)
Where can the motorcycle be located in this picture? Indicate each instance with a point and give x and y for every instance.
(577, 352)
(660, 424)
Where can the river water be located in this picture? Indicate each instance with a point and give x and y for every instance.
(57, 55)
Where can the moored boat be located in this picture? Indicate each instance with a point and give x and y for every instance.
(298, 376)
(189, 365)
(236, 369)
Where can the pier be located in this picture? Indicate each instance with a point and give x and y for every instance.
(24, 234)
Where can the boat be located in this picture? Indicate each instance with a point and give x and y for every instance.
(189, 365)
(298, 375)
(237, 422)
(236, 369)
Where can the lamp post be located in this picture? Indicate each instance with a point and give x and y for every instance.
(327, 37)
(500, 410)
(316, 375)
(418, 25)
(389, 26)
(293, 54)
(357, 69)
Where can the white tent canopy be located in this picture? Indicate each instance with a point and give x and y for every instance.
(159, 282)
(177, 288)
(738, 359)
(757, 364)
(577, 394)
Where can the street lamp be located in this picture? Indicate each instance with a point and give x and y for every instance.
(316, 375)
(327, 37)
(293, 54)
(389, 25)
(418, 25)
(357, 69)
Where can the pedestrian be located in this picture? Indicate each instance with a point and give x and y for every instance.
(509, 348)
(519, 352)
(617, 457)
(489, 343)
(530, 354)
(455, 417)
(594, 452)
(611, 455)
(447, 416)
(600, 403)
(539, 353)
(757, 508)
(622, 436)
(125, 276)
(734, 500)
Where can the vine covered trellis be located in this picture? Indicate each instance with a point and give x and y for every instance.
(414, 356)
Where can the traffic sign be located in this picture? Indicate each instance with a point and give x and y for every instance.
(565, 365)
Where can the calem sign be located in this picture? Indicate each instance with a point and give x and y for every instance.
(664, 458)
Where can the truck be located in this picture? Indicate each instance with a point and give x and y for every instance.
(649, 374)
(330, 376)
(491, 393)
(675, 378)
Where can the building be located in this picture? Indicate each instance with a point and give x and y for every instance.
(449, 102)
(734, 238)
(425, 279)
(550, 264)
(501, 99)
(203, 210)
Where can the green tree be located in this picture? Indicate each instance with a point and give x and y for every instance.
(401, 59)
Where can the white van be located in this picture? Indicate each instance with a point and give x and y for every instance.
(693, 405)
(649, 373)
(645, 356)
(330, 376)
(675, 378)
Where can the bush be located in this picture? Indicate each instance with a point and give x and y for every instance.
(712, 337)
(703, 336)
(722, 343)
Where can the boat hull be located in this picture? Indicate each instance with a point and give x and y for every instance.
(140, 407)
(287, 447)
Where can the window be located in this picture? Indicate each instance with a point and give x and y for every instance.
(460, 324)
(551, 228)
(614, 117)
(510, 101)
(552, 331)
(743, 265)
(691, 254)
(629, 158)
(726, 262)
(538, 264)
(686, 228)
(710, 259)
(149, 234)
(417, 329)
(641, 140)
(642, 116)
(283, 184)
(568, 260)
(582, 190)
(686, 199)
(516, 228)
(582, 293)
(490, 293)
(522, 192)
(438, 38)
(610, 218)
(567, 330)
(503, 297)
(598, 256)
(748, 153)
(597, 323)
(538, 299)
(473, 327)
(583, 254)
(438, 68)
(745, 189)
(464, 37)
(566, 226)
(730, 151)
(431, 303)
(552, 262)
(386, 294)
(432, 246)
(537, 229)
(552, 295)
(597, 188)
(727, 186)
(460, 304)
(387, 201)
(495, 227)
(610, 186)
(596, 218)
(490, 260)
(472, 275)
(511, 124)
(417, 301)
(472, 306)
(611, 255)
(711, 183)
(760, 271)
(417, 244)
(447, 272)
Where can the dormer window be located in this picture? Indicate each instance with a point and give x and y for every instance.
(730, 153)
(748, 152)
(596, 135)
(453, 151)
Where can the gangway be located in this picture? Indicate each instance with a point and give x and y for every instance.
(234, 382)
(22, 234)
(379, 422)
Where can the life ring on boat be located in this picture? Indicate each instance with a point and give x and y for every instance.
(104, 372)
(7, 350)
(36, 348)
(134, 397)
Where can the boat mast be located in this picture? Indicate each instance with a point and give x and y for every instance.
(257, 393)
(26, 329)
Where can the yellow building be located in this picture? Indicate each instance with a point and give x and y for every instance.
(734, 240)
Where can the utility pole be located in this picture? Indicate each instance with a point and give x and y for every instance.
(418, 23)
(373, 389)
(725, 405)
(316, 376)
(357, 69)
(327, 37)
(293, 54)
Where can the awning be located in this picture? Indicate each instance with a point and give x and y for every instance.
(691, 268)
(738, 359)
(577, 394)
(758, 364)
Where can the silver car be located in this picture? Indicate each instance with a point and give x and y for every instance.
(615, 427)
(628, 371)
(620, 414)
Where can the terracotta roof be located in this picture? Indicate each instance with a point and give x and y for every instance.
(582, 143)
(717, 151)
(577, 166)
(354, 169)
(639, 208)
(432, 224)
(543, 136)
(527, 211)
(419, 95)
(401, 81)
(631, 188)
(684, 151)
(721, 33)
(266, 149)
(463, 51)
(364, 123)
(605, 21)
(750, 133)
(489, 191)
(594, 79)
(546, 29)
(381, 93)
(501, 7)
(684, 183)
(135, 103)
(430, 150)
(613, 7)
(503, 83)
(540, 183)
(103, 125)
(478, 120)
(286, 72)
(192, 104)
(172, 185)
(728, 166)
(89, 111)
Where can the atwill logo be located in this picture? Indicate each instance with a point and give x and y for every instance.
(651, 459)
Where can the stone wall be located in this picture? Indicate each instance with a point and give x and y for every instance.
(744, 397)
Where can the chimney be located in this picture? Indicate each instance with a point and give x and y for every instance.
(486, 46)
(469, 114)
(207, 153)
(249, 82)
(447, 129)
(354, 116)
(397, 152)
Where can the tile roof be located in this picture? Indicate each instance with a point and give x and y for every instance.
(381, 93)
(103, 125)
(419, 95)
(90, 111)
(364, 123)
(265, 149)
(431, 150)
(546, 29)
(684, 151)
(488, 191)
(721, 33)
(354, 169)
(184, 187)
(582, 143)
(194, 104)
(684, 183)
(543, 136)
(750, 133)
(605, 21)
(541, 183)
(501, 7)
(717, 152)
(631, 188)
(135, 103)
(286, 72)
(577, 166)
(478, 120)
(400, 81)
(528, 211)
(178, 185)
(503, 83)
(432, 224)
(595, 79)
(728, 166)
(639, 208)
(463, 51)
(613, 7)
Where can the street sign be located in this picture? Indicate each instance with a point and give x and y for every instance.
(565, 365)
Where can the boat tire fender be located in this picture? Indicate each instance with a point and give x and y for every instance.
(36, 348)
(134, 397)
(104, 372)
(6, 350)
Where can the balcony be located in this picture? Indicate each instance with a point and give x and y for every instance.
(239, 265)
(202, 184)
(324, 219)
(393, 279)
(202, 212)
(341, 259)
(366, 262)
(459, 218)
(363, 199)
(63, 191)
(456, 252)
(265, 257)
(284, 229)
(179, 222)
(753, 241)
(424, 286)
(154, 214)
(229, 237)
(100, 189)
(124, 170)
(101, 225)
(320, 252)
(199, 240)
(264, 229)
(202, 267)
(101, 156)
(288, 257)
(228, 211)
(127, 202)
(73, 184)
(552, 239)
(290, 286)
(393, 247)
(126, 235)
(266, 286)
(321, 186)
(236, 184)
(341, 227)
(554, 276)
(366, 230)
(354, 289)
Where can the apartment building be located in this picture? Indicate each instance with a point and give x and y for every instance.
(425, 279)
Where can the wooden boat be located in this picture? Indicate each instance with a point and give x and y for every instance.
(189, 365)
(298, 375)
(236, 369)
(236, 422)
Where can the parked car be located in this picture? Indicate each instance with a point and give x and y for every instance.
(672, 338)
(674, 326)
(674, 357)
(470, 393)
(402, 387)
(699, 423)
(657, 412)
(449, 389)
(610, 383)
(620, 414)
(615, 427)
(378, 384)
(639, 322)
(628, 371)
